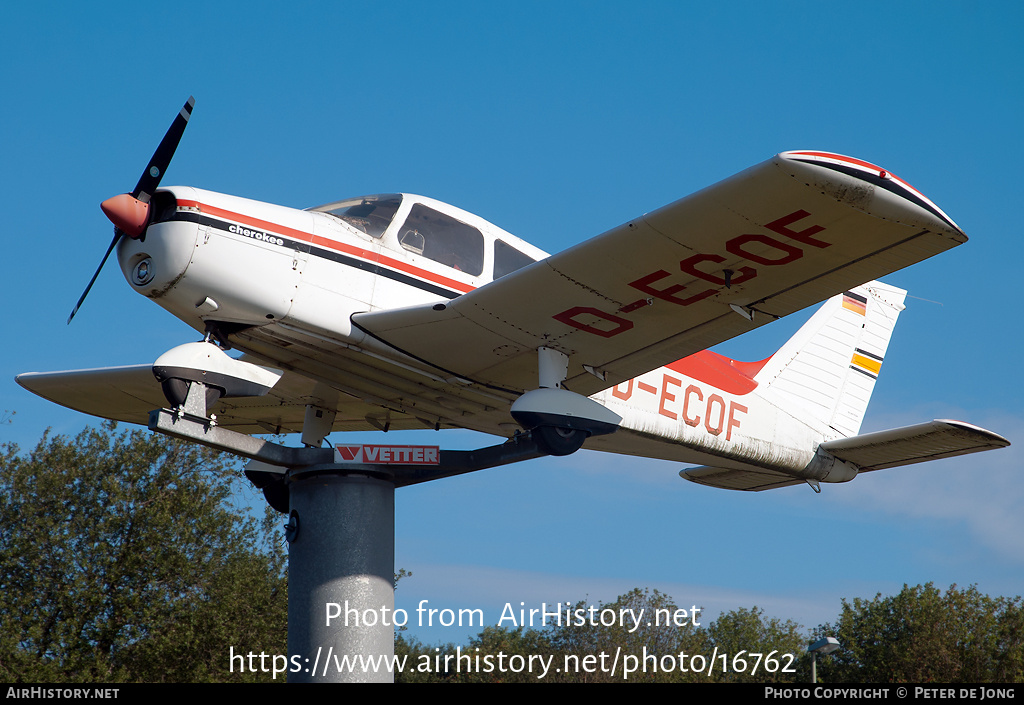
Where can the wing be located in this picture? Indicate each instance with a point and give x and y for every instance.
(130, 393)
(769, 241)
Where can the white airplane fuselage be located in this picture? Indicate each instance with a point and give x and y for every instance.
(258, 262)
(282, 284)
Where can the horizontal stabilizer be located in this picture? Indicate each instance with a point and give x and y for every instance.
(913, 444)
(730, 479)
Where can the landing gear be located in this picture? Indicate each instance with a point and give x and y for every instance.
(556, 440)
(559, 421)
(176, 392)
(195, 375)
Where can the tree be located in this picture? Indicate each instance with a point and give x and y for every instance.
(756, 647)
(494, 642)
(921, 635)
(122, 559)
(655, 635)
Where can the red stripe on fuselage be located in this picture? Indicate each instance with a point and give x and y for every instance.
(302, 236)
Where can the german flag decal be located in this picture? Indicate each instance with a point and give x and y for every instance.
(865, 362)
(855, 302)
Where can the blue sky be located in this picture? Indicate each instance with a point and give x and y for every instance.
(557, 121)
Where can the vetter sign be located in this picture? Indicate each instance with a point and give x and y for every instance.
(387, 455)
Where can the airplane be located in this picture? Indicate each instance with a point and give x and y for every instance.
(396, 311)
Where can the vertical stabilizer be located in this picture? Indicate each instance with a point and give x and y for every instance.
(826, 372)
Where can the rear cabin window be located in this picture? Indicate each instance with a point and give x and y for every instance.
(443, 239)
(508, 259)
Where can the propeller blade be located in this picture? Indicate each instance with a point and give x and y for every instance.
(117, 236)
(150, 179)
(130, 212)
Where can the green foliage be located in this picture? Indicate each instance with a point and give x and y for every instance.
(122, 560)
(402, 573)
(921, 635)
(589, 639)
(493, 641)
(415, 652)
(744, 634)
(660, 648)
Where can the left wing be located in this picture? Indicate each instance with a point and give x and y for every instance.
(769, 241)
(129, 393)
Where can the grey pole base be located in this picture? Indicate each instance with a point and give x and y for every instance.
(341, 556)
(341, 561)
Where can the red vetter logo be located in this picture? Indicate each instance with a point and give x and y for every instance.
(387, 455)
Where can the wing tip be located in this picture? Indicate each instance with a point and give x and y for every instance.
(872, 174)
(996, 439)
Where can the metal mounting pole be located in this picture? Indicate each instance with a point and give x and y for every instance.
(341, 533)
(341, 560)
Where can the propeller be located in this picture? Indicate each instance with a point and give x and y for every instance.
(129, 212)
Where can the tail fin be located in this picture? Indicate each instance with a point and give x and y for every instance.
(827, 371)
(824, 377)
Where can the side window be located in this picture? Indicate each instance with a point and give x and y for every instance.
(443, 239)
(508, 259)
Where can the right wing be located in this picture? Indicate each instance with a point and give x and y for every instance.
(774, 239)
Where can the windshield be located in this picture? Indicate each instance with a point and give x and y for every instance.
(370, 214)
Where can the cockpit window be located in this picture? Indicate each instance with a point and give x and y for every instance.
(508, 259)
(370, 214)
(443, 239)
